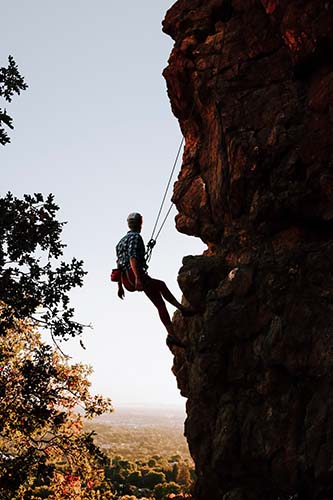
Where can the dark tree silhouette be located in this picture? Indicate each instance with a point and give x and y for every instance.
(39, 388)
(11, 82)
(42, 440)
(32, 284)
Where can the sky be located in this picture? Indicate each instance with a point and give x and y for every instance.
(95, 128)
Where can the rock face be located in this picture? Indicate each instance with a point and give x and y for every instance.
(251, 82)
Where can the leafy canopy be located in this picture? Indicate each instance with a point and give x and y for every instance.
(42, 441)
(44, 452)
(11, 82)
(33, 284)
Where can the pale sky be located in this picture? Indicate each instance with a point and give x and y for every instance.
(96, 129)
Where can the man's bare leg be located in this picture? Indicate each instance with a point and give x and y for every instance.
(169, 297)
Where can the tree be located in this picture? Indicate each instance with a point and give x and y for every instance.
(32, 284)
(151, 478)
(41, 436)
(152, 463)
(39, 427)
(135, 478)
(44, 452)
(11, 82)
(162, 490)
(183, 475)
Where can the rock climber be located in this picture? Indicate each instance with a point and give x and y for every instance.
(134, 277)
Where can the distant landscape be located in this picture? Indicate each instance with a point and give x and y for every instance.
(148, 452)
(138, 415)
(138, 433)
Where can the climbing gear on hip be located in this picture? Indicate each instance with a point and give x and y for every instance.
(115, 275)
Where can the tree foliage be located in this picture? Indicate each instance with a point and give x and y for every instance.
(42, 442)
(41, 436)
(159, 480)
(33, 284)
(11, 82)
(163, 490)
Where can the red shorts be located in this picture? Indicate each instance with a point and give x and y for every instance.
(128, 279)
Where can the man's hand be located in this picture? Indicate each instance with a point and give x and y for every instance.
(121, 293)
(138, 284)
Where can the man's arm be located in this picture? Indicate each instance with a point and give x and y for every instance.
(134, 244)
(136, 270)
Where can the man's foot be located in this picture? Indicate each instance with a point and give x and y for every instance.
(188, 311)
(171, 340)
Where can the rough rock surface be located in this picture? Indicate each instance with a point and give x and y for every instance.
(251, 83)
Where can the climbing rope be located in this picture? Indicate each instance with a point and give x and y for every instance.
(227, 13)
(152, 241)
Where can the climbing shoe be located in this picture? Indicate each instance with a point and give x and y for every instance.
(171, 341)
(187, 312)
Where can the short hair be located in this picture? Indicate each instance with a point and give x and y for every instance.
(134, 220)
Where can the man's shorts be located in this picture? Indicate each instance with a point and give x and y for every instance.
(128, 279)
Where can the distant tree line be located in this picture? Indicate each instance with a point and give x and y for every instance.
(155, 478)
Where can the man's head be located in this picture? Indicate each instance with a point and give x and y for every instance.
(134, 221)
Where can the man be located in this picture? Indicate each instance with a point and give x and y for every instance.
(132, 263)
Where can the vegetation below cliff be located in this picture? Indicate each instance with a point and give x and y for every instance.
(145, 460)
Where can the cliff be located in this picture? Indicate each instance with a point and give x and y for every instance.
(250, 82)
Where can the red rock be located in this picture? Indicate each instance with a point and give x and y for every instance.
(254, 97)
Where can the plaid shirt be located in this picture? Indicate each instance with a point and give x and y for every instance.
(131, 245)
